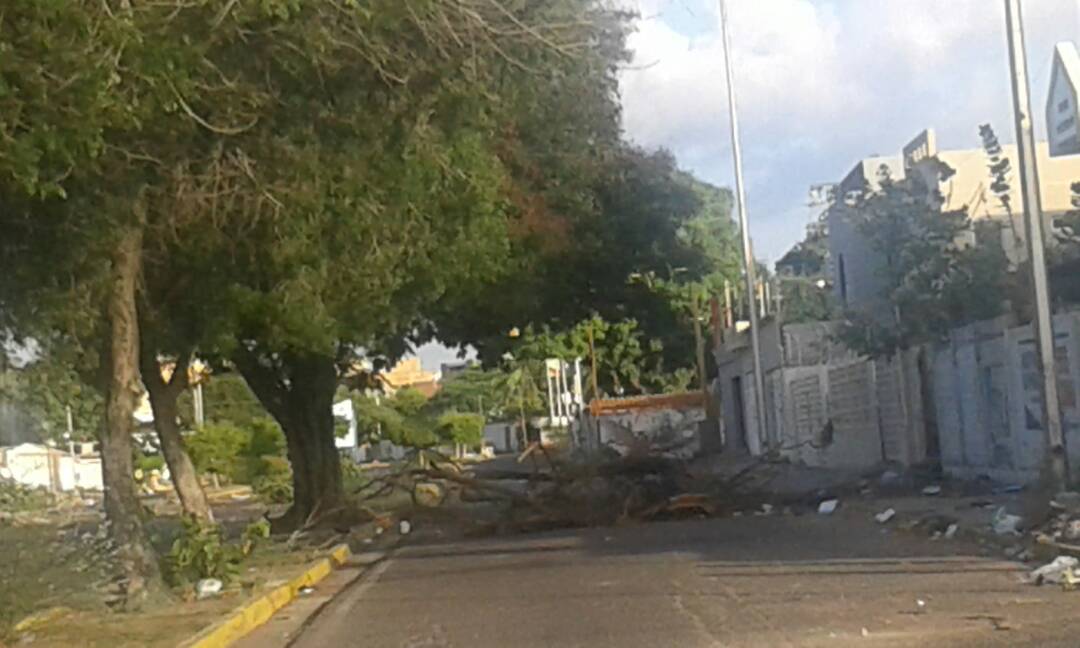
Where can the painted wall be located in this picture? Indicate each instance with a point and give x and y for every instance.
(824, 406)
(39, 466)
(987, 396)
(501, 437)
(671, 431)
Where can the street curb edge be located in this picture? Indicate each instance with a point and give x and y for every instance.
(258, 611)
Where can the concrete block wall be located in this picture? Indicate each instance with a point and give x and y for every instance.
(988, 399)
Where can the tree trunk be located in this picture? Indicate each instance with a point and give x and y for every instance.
(135, 555)
(163, 402)
(299, 394)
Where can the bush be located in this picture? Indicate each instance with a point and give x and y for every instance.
(266, 439)
(274, 483)
(201, 552)
(15, 497)
(464, 428)
(217, 448)
(236, 452)
(254, 535)
(148, 463)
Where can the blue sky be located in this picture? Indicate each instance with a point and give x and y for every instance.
(823, 83)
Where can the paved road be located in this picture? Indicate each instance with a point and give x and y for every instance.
(756, 581)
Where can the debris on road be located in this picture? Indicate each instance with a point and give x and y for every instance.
(41, 619)
(930, 491)
(1055, 571)
(428, 494)
(1068, 501)
(1010, 488)
(1005, 523)
(950, 531)
(404, 527)
(885, 516)
(692, 502)
(207, 588)
(828, 506)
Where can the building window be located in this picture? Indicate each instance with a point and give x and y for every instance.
(1065, 125)
(842, 276)
(1063, 105)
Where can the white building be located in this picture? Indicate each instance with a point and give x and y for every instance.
(856, 266)
(1062, 103)
(41, 466)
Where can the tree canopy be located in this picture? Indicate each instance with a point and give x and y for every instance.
(934, 277)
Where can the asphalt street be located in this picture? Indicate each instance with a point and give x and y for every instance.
(751, 581)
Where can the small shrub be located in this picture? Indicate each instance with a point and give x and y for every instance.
(148, 463)
(254, 535)
(236, 452)
(274, 483)
(201, 552)
(15, 497)
(266, 439)
(217, 448)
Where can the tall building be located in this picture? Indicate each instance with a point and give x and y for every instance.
(856, 267)
(1062, 102)
(410, 373)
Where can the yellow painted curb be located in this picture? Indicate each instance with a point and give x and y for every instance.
(258, 611)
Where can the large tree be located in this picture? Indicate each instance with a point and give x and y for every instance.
(386, 178)
(640, 223)
(937, 269)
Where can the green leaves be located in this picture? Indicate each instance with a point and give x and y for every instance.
(464, 428)
(931, 278)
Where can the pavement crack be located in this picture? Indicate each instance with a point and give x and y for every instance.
(695, 619)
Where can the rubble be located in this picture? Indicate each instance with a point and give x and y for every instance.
(1068, 501)
(207, 588)
(1004, 523)
(428, 494)
(1072, 530)
(828, 506)
(1055, 571)
(885, 516)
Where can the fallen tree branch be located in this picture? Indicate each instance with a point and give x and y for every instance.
(478, 484)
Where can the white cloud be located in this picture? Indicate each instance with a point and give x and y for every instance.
(822, 84)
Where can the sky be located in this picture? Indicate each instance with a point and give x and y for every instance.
(821, 84)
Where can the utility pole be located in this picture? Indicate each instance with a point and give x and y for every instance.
(1033, 223)
(748, 253)
(592, 358)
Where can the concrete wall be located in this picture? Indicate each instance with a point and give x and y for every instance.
(987, 396)
(824, 406)
(673, 431)
(40, 466)
(501, 437)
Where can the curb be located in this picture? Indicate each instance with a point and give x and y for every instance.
(254, 613)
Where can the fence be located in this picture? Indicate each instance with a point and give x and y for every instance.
(824, 405)
(988, 403)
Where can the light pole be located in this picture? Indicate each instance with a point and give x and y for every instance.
(748, 253)
(1033, 225)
